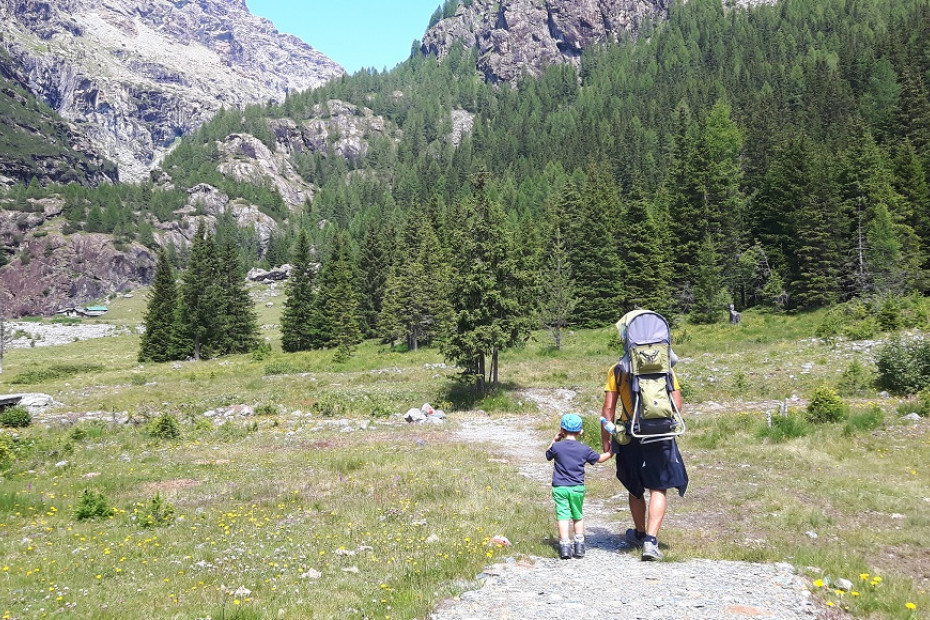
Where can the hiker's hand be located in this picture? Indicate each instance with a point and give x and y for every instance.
(559, 437)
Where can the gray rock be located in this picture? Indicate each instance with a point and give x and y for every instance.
(135, 76)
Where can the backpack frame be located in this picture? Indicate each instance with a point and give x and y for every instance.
(646, 365)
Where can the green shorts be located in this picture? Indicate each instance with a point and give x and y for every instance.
(568, 502)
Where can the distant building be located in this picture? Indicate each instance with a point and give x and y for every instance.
(81, 313)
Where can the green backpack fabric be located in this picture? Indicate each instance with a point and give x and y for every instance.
(646, 366)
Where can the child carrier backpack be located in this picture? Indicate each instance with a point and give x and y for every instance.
(646, 366)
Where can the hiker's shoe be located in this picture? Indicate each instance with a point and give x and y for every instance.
(632, 539)
(579, 548)
(651, 551)
(565, 550)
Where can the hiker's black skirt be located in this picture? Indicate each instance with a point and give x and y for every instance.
(656, 465)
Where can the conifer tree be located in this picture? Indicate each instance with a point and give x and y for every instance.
(592, 251)
(199, 318)
(684, 188)
(374, 268)
(485, 292)
(647, 258)
(337, 305)
(556, 297)
(297, 317)
(710, 294)
(240, 332)
(416, 301)
(156, 342)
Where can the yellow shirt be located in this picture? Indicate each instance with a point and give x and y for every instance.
(626, 399)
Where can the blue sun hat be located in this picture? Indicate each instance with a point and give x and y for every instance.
(571, 423)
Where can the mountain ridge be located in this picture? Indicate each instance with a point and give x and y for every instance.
(133, 77)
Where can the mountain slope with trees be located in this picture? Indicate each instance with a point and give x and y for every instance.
(773, 155)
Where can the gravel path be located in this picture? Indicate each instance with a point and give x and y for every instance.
(537, 588)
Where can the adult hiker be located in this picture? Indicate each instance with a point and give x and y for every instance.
(645, 462)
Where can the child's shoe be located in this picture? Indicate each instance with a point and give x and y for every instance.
(565, 549)
(579, 547)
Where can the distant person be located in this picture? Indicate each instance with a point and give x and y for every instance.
(570, 456)
(654, 465)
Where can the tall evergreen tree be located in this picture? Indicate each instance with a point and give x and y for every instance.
(485, 293)
(156, 342)
(710, 294)
(647, 258)
(556, 291)
(240, 321)
(337, 304)
(297, 317)
(588, 224)
(199, 317)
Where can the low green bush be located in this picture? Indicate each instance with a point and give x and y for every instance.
(15, 417)
(157, 512)
(7, 451)
(825, 406)
(165, 426)
(856, 380)
(865, 421)
(59, 371)
(904, 367)
(784, 428)
(92, 505)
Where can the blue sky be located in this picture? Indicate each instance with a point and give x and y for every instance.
(354, 33)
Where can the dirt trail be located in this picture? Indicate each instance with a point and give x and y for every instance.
(610, 581)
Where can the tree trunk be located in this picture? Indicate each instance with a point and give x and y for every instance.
(494, 355)
(481, 377)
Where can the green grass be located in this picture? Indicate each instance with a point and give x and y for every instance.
(267, 503)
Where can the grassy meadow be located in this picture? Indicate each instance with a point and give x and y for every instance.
(285, 516)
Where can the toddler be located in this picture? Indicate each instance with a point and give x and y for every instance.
(570, 456)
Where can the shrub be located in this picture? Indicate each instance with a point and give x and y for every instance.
(15, 417)
(904, 367)
(791, 426)
(856, 380)
(92, 505)
(329, 406)
(266, 409)
(920, 406)
(889, 313)
(825, 406)
(864, 421)
(165, 426)
(862, 330)
(7, 451)
(261, 352)
(157, 512)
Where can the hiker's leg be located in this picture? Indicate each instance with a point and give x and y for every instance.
(579, 527)
(565, 529)
(638, 512)
(657, 501)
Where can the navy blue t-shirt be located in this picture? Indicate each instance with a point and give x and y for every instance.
(570, 458)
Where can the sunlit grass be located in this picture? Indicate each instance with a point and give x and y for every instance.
(263, 505)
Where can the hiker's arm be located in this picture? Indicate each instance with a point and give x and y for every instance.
(676, 398)
(605, 457)
(608, 411)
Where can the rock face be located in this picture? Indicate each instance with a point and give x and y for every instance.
(36, 142)
(133, 76)
(208, 203)
(522, 37)
(48, 267)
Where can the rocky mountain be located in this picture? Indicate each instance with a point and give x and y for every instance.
(134, 76)
(51, 268)
(36, 143)
(522, 37)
